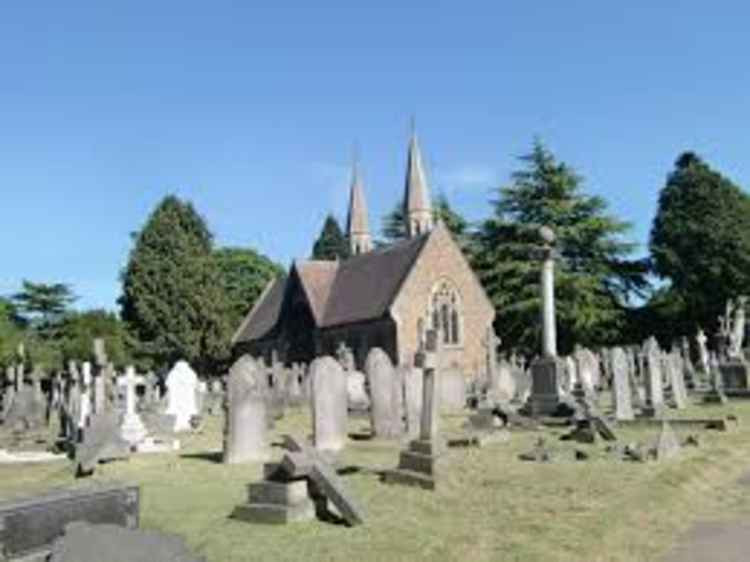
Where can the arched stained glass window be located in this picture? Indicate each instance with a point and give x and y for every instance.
(445, 312)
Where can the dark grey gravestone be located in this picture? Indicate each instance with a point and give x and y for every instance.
(84, 542)
(31, 525)
(101, 442)
(27, 411)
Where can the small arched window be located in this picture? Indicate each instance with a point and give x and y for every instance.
(445, 312)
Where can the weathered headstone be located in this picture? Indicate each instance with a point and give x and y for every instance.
(383, 410)
(357, 398)
(102, 441)
(621, 385)
(676, 380)
(329, 404)
(667, 445)
(452, 388)
(182, 386)
(246, 418)
(654, 406)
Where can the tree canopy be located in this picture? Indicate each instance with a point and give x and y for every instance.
(172, 301)
(594, 278)
(244, 275)
(331, 244)
(700, 243)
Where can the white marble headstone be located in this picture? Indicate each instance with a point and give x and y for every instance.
(182, 395)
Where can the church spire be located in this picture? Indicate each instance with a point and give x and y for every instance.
(417, 204)
(357, 224)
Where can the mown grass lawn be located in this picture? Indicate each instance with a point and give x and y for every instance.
(490, 505)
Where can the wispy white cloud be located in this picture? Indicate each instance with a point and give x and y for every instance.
(468, 176)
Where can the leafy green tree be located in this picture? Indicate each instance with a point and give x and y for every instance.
(79, 329)
(700, 243)
(43, 304)
(593, 277)
(244, 275)
(173, 302)
(11, 331)
(331, 244)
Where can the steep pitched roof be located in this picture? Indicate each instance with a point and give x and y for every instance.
(359, 289)
(264, 315)
(366, 285)
(316, 277)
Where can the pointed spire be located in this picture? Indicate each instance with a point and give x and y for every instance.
(417, 204)
(357, 223)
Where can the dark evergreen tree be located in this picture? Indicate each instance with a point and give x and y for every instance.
(593, 277)
(43, 304)
(394, 226)
(700, 244)
(331, 244)
(244, 275)
(173, 302)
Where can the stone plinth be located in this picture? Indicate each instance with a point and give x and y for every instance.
(275, 501)
(735, 374)
(546, 375)
(418, 465)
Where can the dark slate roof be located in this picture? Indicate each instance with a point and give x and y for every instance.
(265, 314)
(356, 290)
(317, 278)
(366, 285)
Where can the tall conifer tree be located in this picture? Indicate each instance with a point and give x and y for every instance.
(593, 275)
(173, 301)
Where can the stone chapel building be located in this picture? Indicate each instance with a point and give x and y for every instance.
(382, 297)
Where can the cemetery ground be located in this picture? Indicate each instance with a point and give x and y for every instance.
(489, 505)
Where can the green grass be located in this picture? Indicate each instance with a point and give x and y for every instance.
(489, 505)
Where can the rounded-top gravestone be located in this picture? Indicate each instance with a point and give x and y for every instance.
(245, 423)
(384, 412)
(182, 399)
(329, 403)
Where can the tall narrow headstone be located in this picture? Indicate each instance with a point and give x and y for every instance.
(653, 379)
(621, 385)
(245, 422)
(380, 376)
(329, 403)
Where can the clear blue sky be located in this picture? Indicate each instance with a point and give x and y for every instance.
(250, 110)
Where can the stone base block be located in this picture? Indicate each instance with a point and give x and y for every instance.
(546, 375)
(409, 478)
(274, 514)
(424, 447)
(653, 411)
(417, 462)
(715, 398)
(735, 375)
(277, 493)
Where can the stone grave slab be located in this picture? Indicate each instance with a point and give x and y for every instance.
(29, 526)
(84, 542)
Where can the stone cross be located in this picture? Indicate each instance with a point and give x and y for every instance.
(701, 339)
(132, 429)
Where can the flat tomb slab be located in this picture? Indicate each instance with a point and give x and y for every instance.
(31, 525)
(719, 424)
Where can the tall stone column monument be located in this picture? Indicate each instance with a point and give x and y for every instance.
(547, 371)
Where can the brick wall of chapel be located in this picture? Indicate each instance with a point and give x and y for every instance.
(441, 258)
